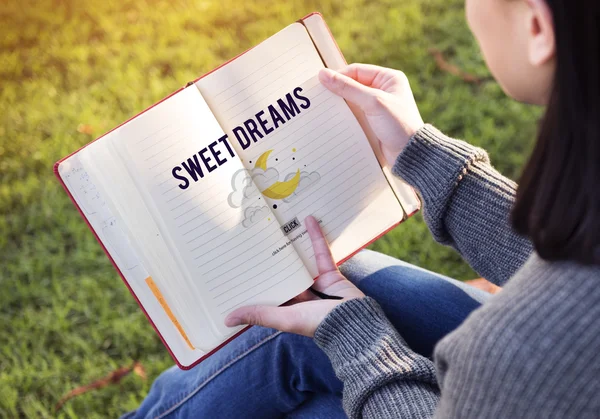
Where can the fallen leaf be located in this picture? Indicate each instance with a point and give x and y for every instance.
(484, 285)
(112, 378)
(444, 65)
(85, 129)
(138, 369)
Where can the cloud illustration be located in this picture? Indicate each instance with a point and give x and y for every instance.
(262, 179)
(248, 184)
(307, 180)
(252, 215)
(239, 182)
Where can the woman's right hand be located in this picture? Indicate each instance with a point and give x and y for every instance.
(384, 95)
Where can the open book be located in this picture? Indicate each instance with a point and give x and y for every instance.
(199, 201)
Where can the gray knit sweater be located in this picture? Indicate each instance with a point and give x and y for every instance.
(533, 350)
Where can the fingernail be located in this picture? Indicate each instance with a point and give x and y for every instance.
(326, 75)
(231, 321)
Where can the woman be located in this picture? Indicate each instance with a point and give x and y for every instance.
(530, 351)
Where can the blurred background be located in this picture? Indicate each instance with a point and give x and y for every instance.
(71, 70)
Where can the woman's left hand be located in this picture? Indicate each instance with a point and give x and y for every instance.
(303, 314)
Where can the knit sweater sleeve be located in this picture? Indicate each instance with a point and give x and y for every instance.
(383, 378)
(466, 202)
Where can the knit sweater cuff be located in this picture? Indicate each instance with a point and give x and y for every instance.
(368, 354)
(434, 164)
(351, 328)
(366, 351)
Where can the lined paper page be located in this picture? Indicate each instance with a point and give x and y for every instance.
(108, 226)
(316, 162)
(126, 201)
(226, 243)
(333, 58)
(261, 75)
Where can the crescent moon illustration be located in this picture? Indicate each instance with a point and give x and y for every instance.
(281, 190)
(261, 163)
(278, 190)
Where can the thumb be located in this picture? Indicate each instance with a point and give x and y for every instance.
(302, 318)
(346, 87)
(256, 315)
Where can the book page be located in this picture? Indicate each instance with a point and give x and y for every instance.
(108, 227)
(208, 210)
(126, 202)
(333, 58)
(302, 145)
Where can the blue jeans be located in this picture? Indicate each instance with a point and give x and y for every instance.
(269, 374)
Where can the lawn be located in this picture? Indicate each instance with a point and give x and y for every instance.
(70, 70)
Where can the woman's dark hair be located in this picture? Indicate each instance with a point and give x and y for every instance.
(558, 199)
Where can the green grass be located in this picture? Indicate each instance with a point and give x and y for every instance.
(65, 316)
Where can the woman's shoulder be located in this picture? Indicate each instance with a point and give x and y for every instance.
(535, 342)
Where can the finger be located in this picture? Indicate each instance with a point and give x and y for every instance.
(293, 319)
(325, 262)
(346, 87)
(376, 77)
(256, 315)
(366, 74)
